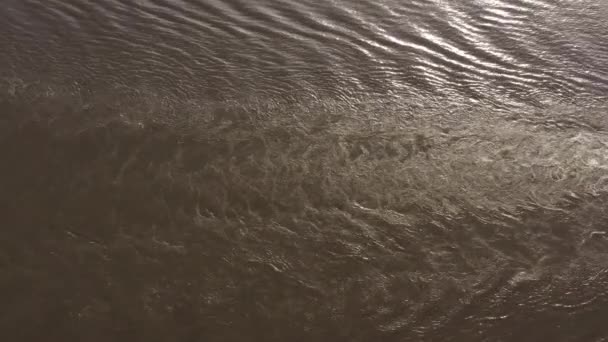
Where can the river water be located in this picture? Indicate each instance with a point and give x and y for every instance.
(304, 170)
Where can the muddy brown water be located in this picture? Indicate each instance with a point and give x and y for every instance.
(281, 170)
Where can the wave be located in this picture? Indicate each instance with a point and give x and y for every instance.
(480, 49)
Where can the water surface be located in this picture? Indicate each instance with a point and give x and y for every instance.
(266, 170)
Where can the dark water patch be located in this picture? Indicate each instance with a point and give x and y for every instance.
(265, 231)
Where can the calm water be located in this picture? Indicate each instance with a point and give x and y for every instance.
(304, 170)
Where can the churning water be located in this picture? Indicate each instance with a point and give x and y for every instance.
(304, 170)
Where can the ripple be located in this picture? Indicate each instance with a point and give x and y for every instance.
(213, 49)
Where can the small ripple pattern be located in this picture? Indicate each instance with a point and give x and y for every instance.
(234, 49)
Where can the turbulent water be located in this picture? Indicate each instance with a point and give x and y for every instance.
(304, 170)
